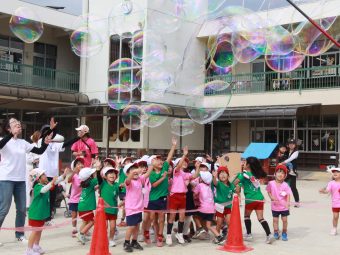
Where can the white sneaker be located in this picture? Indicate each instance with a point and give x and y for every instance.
(248, 237)
(22, 239)
(112, 243)
(269, 239)
(81, 238)
(116, 235)
(333, 232)
(38, 249)
(31, 252)
(168, 240)
(180, 238)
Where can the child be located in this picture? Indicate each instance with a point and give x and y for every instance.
(39, 210)
(207, 207)
(122, 177)
(279, 193)
(76, 165)
(177, 200)
(133, 204)
(333, 188)
(87, 201)
(248, 179)
(159, 192)
(223, 195)
(109, 190)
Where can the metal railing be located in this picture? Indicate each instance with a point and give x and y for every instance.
(28, 76)
(323, 77)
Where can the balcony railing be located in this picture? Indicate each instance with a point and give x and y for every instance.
(323, 77)
(27, 76)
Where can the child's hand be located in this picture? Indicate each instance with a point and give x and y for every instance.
(214, 174)
(174, 141)
(197, 164)
(185, 150)
(323, 191)
(118, 160)
(67, 170)
(54, 180)
(208, 157)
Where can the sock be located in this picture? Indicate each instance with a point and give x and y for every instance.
(247, 222)
(169, 228)
(265, 226)
(180, 227)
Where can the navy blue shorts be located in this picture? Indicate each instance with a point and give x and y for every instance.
(134, 219)
(73, 207)
(122, 196)
(276, 214)
(206, 216)
(158, 205)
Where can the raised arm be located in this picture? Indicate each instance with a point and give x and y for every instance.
(185, 154)
(172, 150)
(214, 174)
(147, 174)
(197, 170)
(70, 142)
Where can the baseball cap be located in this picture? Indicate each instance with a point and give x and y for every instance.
(290, 141)
(206, 165)
(199, 159)
(333, 169)
(83, 128)
(106, 169)
(111, 161)
(35, 174)
(128, 166)
(222, 169)
(149, 161)
(281, 167)
(85, 173)
(126, 158)
(206, 177)
(73, 163)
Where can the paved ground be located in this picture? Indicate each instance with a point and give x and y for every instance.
(308, 229)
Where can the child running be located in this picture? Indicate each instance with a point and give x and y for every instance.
(39, 210)
(134, 205)
(109, 190)
(279, 193)
(87, 201)
(76, 165)
(333, 188)
(248, 179)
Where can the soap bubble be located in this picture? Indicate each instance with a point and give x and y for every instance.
(156, 114)
(279, 41)
(26, 25)
(285, 63)
(116, 99)
(132, 117)
(182, 127)
(86, 42)
(164, 23)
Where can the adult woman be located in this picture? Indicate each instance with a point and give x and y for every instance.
(12, 171)
(291, 163)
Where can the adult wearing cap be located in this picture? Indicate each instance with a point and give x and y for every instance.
(49, 161)
(293, 155)
(13, 152)
(86, 146)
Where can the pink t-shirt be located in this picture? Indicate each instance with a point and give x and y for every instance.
(146, 192)
(179, 181)
(134, 202)
(333, 187)
(80, 146)
(280, 192)
(206, 198)
(75, 190)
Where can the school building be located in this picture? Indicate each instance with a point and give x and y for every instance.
(46, 77)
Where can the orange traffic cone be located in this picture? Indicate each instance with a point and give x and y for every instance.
(100, 241)
(234, 241)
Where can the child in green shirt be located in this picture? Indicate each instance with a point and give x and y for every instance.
(249, 180)
(39, 210)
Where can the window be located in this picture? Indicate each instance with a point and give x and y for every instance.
(45, 56)
(11, 51)
(95, 125)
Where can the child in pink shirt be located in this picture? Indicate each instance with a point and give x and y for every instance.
(333, 188)
(206, 208)
(279, 193)
(134, 204)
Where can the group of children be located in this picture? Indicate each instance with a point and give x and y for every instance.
(154, 192)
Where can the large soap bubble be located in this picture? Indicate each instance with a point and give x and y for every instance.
(117, 99)
(156, 114)
(285, 63)
(26, 25)
(182, 127)
(132, 117)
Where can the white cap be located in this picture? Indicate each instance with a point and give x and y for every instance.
(206, 177)
(331, 169)
(83, 128)
(85, 173)
(58, 138)
(206, 165)
(199, 159)
(216, 166)
(35, 174)
(144, 158)
(128, 166)
(149, 161)
(106, 169)
(124, 159)
(176, 161)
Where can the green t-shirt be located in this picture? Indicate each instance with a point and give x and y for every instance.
(122, 178)
(162, 189)
(109, 192)
(224, 193)
(251, 187)
(40, 206)
(87, 201)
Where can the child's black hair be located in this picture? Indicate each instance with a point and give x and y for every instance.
(255, 167)
(131, 168)
(282, 145)
(110, 171)
(86, 183)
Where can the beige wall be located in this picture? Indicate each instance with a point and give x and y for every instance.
(239, 135)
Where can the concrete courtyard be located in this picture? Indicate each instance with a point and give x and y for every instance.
(308, 231)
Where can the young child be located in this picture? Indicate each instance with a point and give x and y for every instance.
(333, 188)
(134, 204)
(279, 193)
(207, 207)
(87, 201)
(76, 165)
(177, 200)
(122, 177)
(158, 193)
(109, 190)
(39, 210)
(248, 179)
(223, 195)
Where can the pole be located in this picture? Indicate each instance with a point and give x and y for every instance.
(211, 138)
